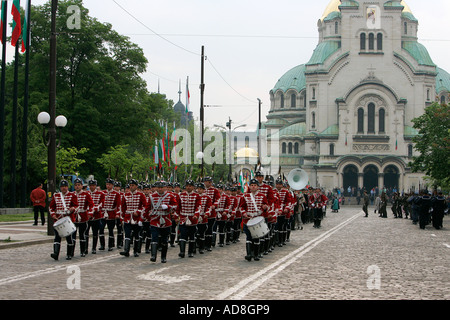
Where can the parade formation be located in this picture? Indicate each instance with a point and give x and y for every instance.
(198, 216)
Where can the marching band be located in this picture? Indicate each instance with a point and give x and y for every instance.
(163, 213)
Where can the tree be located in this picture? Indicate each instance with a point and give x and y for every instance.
(433, 144)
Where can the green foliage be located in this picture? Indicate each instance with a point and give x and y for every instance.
(433, 143)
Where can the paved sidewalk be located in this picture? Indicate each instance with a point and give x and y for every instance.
(17, 234)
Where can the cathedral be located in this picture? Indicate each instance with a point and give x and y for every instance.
(345, 116)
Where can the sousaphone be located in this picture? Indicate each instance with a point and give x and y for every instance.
(297, 179)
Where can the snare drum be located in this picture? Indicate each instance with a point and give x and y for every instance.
(64, 227)
(257, 227)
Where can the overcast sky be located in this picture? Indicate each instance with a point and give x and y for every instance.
(249, 45)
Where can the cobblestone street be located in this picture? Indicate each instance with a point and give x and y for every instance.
(351, 257)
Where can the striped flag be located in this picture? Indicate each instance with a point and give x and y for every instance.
(4, 12)
(26, 27)
(17, 26)
(188, 96)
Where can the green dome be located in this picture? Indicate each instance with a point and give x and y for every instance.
(442, 80)
(293, 79)
(294, 130)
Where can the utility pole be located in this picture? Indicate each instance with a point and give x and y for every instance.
(229, 152)
(202, 107)
(259, 130)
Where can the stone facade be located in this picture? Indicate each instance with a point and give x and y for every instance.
(346, 115)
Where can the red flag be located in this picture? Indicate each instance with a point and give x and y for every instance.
(17, 25)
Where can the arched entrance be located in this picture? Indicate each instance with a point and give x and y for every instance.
(391, 177)
(370, 179)
(350, 177)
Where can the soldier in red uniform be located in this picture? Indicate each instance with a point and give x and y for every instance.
(146, 234)
(229, 226)
(173, 228)
(133, 206)
(111, 213)
(223, 209)
(236, 191)
(119, 223)
(97, 220)
(205, 211)
(214, 194)
(267, 191)
(190, 205)
(160, 211)
(83, 214)
(63, 204)
(317, 202)
(285, 207)
(253, 204)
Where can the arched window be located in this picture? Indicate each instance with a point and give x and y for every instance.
(381, 121)
(296, 151)
(360, 120)
(283, 148)
(410, 150)
(313, 120)
(371, 41)
(371, 118)
(336, 27)
(405, 28)
(293, 100)
(331, 149)
(380, 41)
(282, 101)
(363, 41)
(442, 99)
(428, 94)
(290, 148)
(314, 93)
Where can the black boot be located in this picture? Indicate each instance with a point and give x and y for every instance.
(56, 248)
(182, 248)
(102, 242)
(120, 241)
(256, 251)
(126, 248)
(213, 241)
(70, 251)
(136, 244)
(164, 252)
(221, 239)
(201, 245)
(172, 239)
(110, 243)
(154, 251)
(191, 247)
(94, 244)
(208, 240)
(147, 244)
(248, 248)
(82, 248)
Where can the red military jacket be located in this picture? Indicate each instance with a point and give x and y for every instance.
(238, 213)
(214, 194)
(156, 211)
(223, 208)
(205, 209)
(85, 208)
(98, 198)
(111, 205)
(60, 204)
(190, 206)
(286, 202)
(234, 202)
(133, 206)
(248, 208)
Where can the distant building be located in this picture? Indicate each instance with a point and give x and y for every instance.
(346, 115)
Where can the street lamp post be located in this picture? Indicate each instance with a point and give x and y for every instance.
(228, 124)
(51, 123)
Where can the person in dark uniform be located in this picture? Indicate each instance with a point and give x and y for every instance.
(366, 204)
(438, 205)
(424, 202)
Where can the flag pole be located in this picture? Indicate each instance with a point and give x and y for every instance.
(14, 129)
(2, 97)
(25, 109)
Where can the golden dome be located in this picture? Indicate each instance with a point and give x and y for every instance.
(246, 153)
(334, 6)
